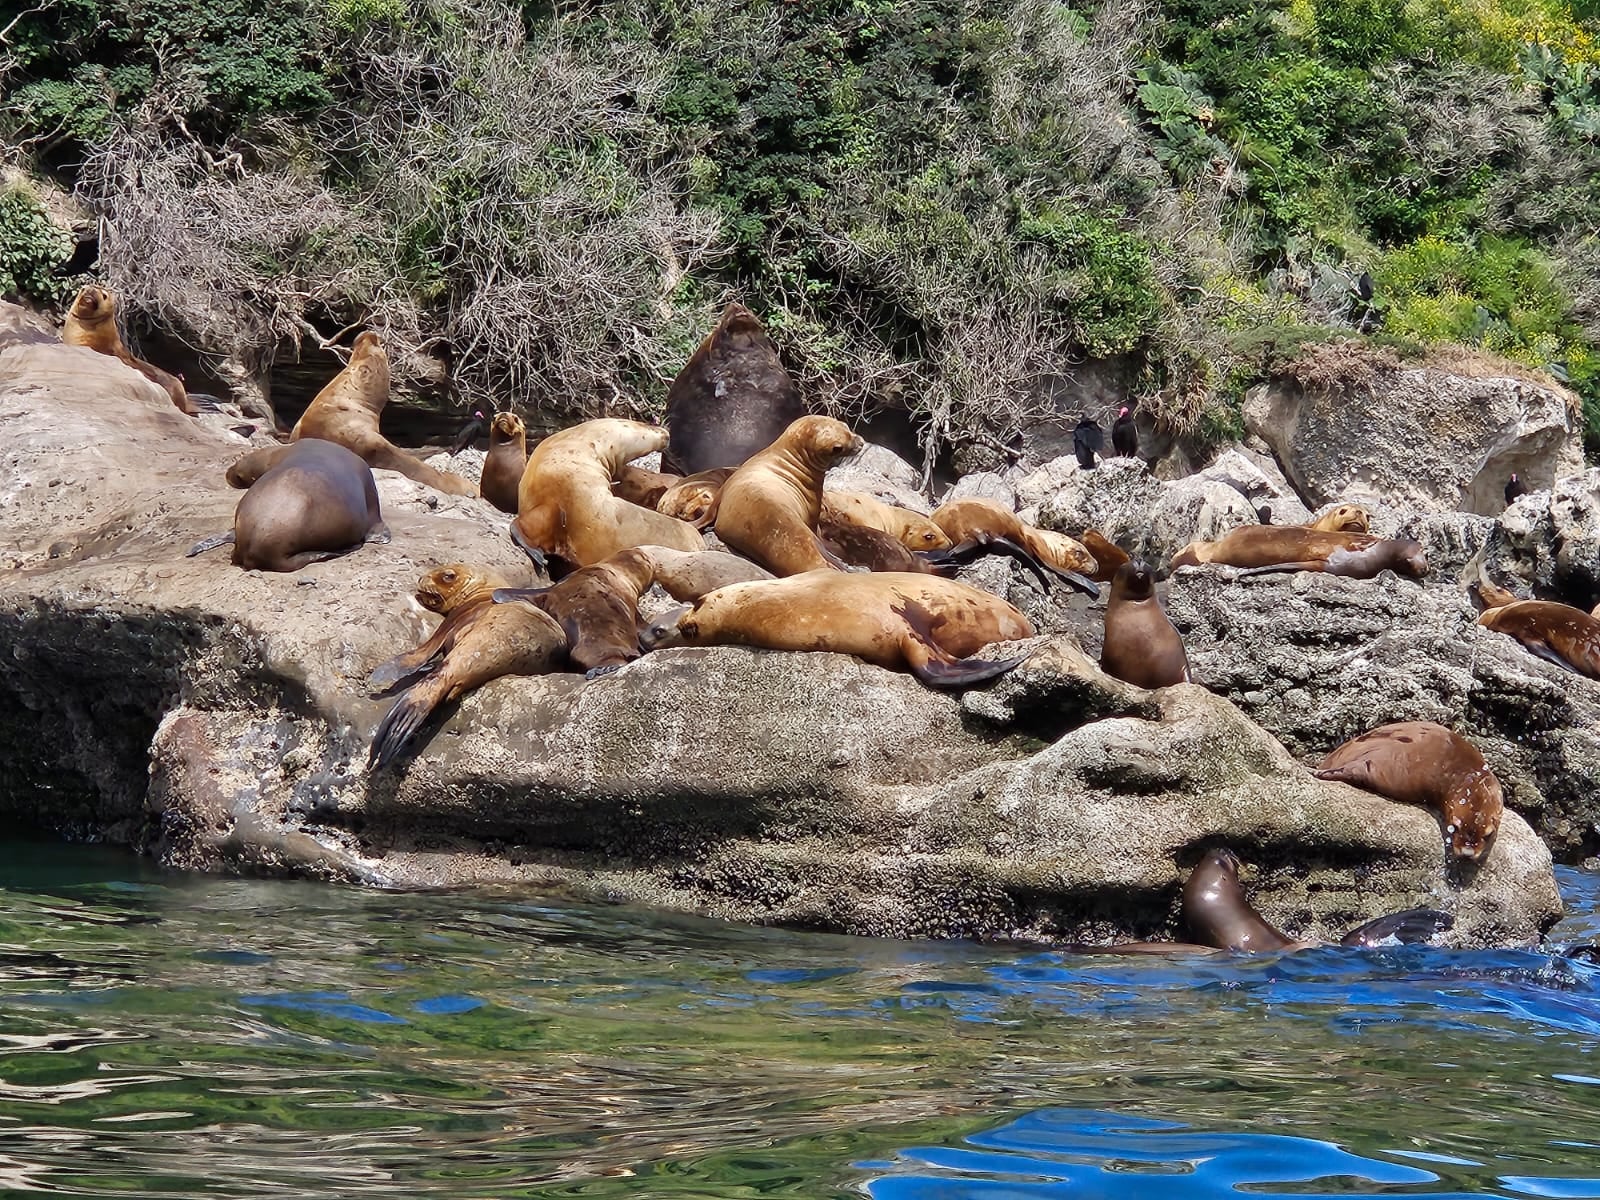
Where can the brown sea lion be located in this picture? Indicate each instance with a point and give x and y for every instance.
(1269, 548)
(913, 530)
(770, 506)
(1557, 633)
(977, 522)
(1346, 518)
(317, 502)
(643, 487)
(1141, 645)
(918, 623)
(501, 639)
(687, 577)
(1420, 762)
(457, 592)
(565, 505)
(732, 399)
(862, 546)
(346, 411)
(92, 322)
(597, 608)
(505, 462)
(1108, 556)
(695, 498)
(252, 466)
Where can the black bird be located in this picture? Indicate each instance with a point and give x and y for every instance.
(1124, 434)
(1514, 488)
(1087, 441)
(469, 432)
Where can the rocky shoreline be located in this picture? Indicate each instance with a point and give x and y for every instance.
(217, 719)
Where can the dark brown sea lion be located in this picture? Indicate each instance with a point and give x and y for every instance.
(1270, 548)
(346, 411)
(92, 322)
(770, 506)
(456, 591)
(505, 462)
(317, 502)
(1557, 633)
(1141, 645)
(862, 546)
(913, 530)
(566, 507)
(502, 639)
(695, 498)
(252, 466)
(732, 399)
(597, 608)
(1346, 518)
(974, 522)
(1420, 762)
(918, 623)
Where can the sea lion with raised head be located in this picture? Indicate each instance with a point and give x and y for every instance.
(770, 506)
(1346, 518)
(505, 462)
(994, 528)
(1557, 633)
(317, 501)
(1420, 762)
(1141, 647)
(918, 623)
(565, 505)
(597, 608)
(501, 639)
(1264, 549)
(346, 411)
(911, 529)
(456, 591)
(92, 322)
(695, 498)
(732, 399)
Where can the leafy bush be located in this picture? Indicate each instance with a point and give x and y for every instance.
(31, 248)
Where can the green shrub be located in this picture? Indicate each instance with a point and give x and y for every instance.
(31, 248)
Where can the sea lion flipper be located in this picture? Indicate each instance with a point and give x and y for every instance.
(403, 666)
(401, 723)
(1542, 649)
(209, 543)
(1409, 927)
(379, 535)
(379, 453)
(942, 673)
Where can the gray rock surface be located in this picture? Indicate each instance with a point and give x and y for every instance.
(1549, 542)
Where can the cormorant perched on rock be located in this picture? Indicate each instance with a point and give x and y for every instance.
(1514, 488)
(1124, 434)
(1087, 441)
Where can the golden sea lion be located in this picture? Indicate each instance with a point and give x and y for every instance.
(1269, 548)
(1557, 633)
(346, 411)
(974, 523)
(92, 322)
(501, 639)
(695, 498)
(732, 399)
(456, 591)
(643, 487)
(1346, 518)
(565, 506)
(1420, 762)
(687, 577)
(913, 530)
(316, 502)
(505, 462)
(1141, 645)
(918, 623)
(770, 506)
(597, 608)
(1108, 556)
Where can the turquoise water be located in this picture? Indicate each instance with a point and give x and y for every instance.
(171, 1036)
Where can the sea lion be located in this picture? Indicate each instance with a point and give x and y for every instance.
(643, 487)
(317, 501)
(1125, 434)
(862, 546)
(913, 530)
(505, 462)
(732, 399)
(346, 411)
(457, 592)
(1108, 556)
(1141, 645)
(252, 466)
(92, 322)
(920, 623)
(1269, 548)
(1557, 633)
(597, 608)
(687, 577)
(770, 506)
(1346, 518)
(974, 521)
(502, 639)
(1420, 762)
(565, 507)
(695, 498)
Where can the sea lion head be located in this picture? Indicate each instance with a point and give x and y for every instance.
(506, 427)
(693, 500)
(445, 587)
(366, 343)
(823, 440)
(1472, 813)
(1133, 581)
(93, 303)
(1409, 559)
(1347, 518)
(675, 627)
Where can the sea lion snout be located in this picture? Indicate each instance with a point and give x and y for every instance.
(669, 629)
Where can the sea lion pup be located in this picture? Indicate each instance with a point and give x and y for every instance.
(918, 623)
(861, 546)
(1347, 518)
(687, 577)
(505, 462)
(92, 322)
(913, 530)
(1141, 645)
(695, 498)
(1557, 633)
(502, 639)
(1269, 548)
(597, 608)
(1420, 762)
(771, 505)
(732, 399)
(993, 528)
(456, 591)
(346, 411)
(565, 507)
(643, 487)
(318, 501)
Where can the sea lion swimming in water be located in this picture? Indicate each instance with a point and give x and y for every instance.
(456, 591)
(1270, 548)
(317, 501)
(1141, 647)
(597, 608)
(920, 623)
(505, 462)
(346, 411)
(92, 322)
(1421, 762)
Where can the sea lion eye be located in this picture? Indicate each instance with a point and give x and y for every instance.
(449, 577)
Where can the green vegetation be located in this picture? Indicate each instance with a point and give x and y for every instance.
(937, 206)
(31, 248)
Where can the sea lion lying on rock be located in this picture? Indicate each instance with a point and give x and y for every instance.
(92, 322)
(977, 522)
(911, 529)
(1557, 633)
(456, 591)
(1346, 518)
(1269, 548)
(597, 608)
